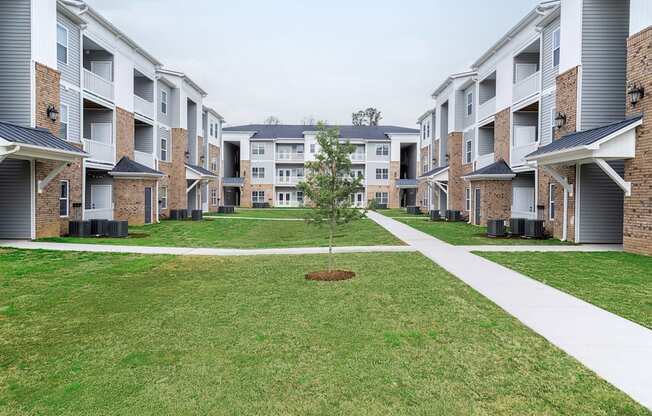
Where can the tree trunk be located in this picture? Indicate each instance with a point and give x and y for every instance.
(330, 247)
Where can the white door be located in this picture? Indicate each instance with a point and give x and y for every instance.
(101, 196)
(103, 69)
(523, 202)
(359, 200)
(102, 132)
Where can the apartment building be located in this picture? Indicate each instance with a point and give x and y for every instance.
(263, 164)
(544, 127)
(93, 126)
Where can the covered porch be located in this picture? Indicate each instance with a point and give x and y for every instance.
(437, 182)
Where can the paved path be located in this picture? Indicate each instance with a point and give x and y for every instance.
(618, 350)
(587, 248)
(183, 251)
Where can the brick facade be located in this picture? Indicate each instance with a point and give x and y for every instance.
(124, 133)
(129, 199)
(502, 135)
(175, 172)
(394, 192)
(637, 227)
(567, 84)
(495, 200)
(456, 185)
(372, 189)
(245, 194)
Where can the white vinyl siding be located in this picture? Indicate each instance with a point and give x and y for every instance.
(16, 63)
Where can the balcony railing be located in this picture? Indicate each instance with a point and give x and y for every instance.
(289, 156)
(144, 107)
(289, 180)
(527, 87)
(484, 160)
(524, 214)
(100, 151)
(289, 204)
(487, 109)
(233, 182)
(98, 214)
(357, 157)
(145, 158)
(97, 85)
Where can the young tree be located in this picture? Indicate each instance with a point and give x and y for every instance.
(330, 183)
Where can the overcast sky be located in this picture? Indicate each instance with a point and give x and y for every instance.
(296, 59)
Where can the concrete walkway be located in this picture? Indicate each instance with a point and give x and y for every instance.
(183, 251)
(618, 350)
(587, 248)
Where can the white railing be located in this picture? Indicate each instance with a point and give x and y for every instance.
(144, 107)
(484, 160)
(98, 214)
(527, 87)
(288, 156)
(288, 180)
(288, 204)
(98, 85)
(487, 109)
(357, 157)
(519, 153)
(524, 214)
(100, 151)
(144, 158)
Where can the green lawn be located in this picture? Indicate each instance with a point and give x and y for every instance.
(618, 282)
(88, 333)
(235, 233)
(465, 234)
(399, 213)
(296, 213)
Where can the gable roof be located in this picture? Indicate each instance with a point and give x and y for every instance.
(296, 131)
(39, 138)
(584, 138)
(201, 171)
(128, 167)
(497, 170)
(433, 171)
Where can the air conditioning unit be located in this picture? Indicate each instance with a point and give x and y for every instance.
(496, 228)
(99, 227)
(226, 210)
(414, 210)
(79, 228)
(517, 226)
(118, 229)
(174, 214)
(435, 215)
(183, 214)
(453, 215)
(197, 215)
(534, 229)
(261, 205)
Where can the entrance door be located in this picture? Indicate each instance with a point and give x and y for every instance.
(148, 205)
(523, 205)
(284, 175)
(477, 206)
(101, 196)
(284, 198)
(359, 199)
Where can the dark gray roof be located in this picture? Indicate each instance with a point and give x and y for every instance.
(497, 168)
(433, 171)
(586, 137)
(287, 131)
(35, 137)
(126, 165)
(200, 170)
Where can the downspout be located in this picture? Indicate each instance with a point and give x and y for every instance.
(564, 231)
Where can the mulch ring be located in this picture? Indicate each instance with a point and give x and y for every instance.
(332, 276)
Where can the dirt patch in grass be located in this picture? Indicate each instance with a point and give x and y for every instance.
(332, 276)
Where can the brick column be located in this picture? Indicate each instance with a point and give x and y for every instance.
(502, 135)
(125, 132)
(175, 171)
(456, 185)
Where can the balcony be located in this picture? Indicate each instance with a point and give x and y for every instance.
(98, 86)
(288, 204)
(407, 183)
(143, 107)
(289, 180)
(98, 214)
(487, 109)
(233, 182)
(484, 160)
(519, 153)
(144, 158)
(527, 87)
(289, 157)
(100, 151)
(357, 157)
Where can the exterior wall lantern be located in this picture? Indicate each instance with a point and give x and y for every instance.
(52, 113)
(560, 120)
(635, 93)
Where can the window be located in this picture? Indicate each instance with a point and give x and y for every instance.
(300, 197)
(382, 198)
(468, 151)
(164, 102)
(63, 116)
(258, 196)
(428, 130)
(211, 129)
(551, 198)
(214, 197)
(64, 198)
(163, 196)
(299, 149)
(382, 173)
(214, 164)
(164, 148)
(382, 150)
(468, 199)
(312, 148)
(299, 172)
(469, 104)
(258, 173)
(258, 149)
(425, 168)
(553, 123)
(62, 44)
(556, 47)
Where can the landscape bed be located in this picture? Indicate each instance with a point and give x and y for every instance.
(89, 333)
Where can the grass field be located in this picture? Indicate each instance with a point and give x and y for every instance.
(618, 282)
(292, 213)
(88, 333)
(244, 233)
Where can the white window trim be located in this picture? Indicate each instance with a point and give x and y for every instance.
(382, 198)
(468, 152)
(468, 198)
(164, 101)
(258, 197)
(258, 149)
(383, 173)
(67, 198)
(214, 199)
(552, 202)
(166, 148)
(554, 33)
(553, 123)
(67, 122)
(382, 149)
(258, 172)
(164, 197)
(59, 25)
(469, 104)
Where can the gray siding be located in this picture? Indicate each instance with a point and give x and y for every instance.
(548, 103)
(604, 61)
(485, 141)
(468, 136)
(550, 72)
(144, 139)
(460, 110)
(70, 72)
(15, 58)
(269, 150)
(487, 90)
(96, 116)
(371, 152)
(601, 206)
(269, 172)
(72, 100)
(144, 88)
(164, 134)
(469, 119)
(370, 173)
(15, 204)
(164, 118)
